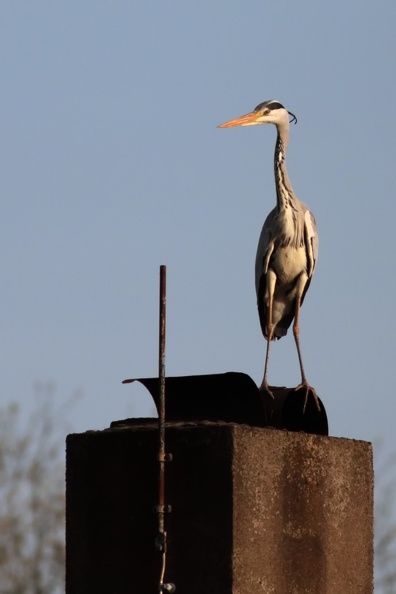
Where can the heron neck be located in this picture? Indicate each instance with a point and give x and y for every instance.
(284, 190)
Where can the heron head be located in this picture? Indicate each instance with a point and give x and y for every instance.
(268, 112)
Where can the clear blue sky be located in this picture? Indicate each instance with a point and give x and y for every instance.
(111, 164)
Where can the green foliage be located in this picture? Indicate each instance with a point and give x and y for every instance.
(32, 496)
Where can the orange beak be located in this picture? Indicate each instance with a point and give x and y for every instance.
(249, 119)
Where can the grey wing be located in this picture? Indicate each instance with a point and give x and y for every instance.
(264, 249)
(311, 241)
(311, 245)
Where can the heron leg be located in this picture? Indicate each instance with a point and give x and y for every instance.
(270, 289)
(296, 333)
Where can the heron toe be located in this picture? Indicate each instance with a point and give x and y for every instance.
(308, 390)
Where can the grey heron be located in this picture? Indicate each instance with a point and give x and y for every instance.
(287, 249)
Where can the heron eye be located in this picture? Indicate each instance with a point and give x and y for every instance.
(266, 111)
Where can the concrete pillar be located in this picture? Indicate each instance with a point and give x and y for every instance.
(253, 511)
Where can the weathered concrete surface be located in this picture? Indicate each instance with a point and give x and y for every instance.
(253, 511)
(303, 514)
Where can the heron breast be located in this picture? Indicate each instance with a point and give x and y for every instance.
(288, 263)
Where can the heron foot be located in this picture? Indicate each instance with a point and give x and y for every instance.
(264, 388)
(308, 390)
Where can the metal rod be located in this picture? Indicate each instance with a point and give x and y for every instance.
(162, 456)
(161, 416)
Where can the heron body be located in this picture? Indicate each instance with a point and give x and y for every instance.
(288, 245)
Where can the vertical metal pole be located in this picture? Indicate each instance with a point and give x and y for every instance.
(161, 375)
(162, 456)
